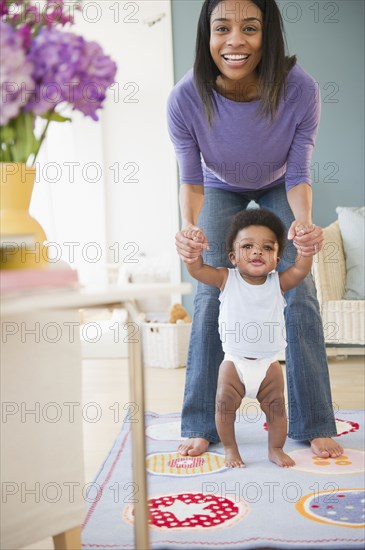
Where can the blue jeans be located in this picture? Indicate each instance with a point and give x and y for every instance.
(310, 406)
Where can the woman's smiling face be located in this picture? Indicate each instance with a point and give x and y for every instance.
(236, 40)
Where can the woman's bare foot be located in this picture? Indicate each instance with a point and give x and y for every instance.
(280, 458)
(233, 458)
(326, 447)
(194, 446)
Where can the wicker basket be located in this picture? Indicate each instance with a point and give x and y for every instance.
(165, 345)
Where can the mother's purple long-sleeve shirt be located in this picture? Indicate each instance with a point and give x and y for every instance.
(242, 151)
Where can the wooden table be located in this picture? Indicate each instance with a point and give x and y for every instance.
(124, 296)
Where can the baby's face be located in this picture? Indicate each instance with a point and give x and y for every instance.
(255, 251)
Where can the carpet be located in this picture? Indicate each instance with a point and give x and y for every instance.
(198, 503)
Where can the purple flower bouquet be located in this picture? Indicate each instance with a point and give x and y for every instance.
(41, 67)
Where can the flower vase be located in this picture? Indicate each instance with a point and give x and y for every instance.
(22, 237)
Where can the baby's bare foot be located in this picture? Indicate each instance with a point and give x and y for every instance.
(280, 458)
(233, 458)
(194, 446)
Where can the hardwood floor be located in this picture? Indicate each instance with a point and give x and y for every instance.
(106, 397)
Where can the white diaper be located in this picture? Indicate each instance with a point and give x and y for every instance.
(251, 372)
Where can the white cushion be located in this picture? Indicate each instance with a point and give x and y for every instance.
(352, 227)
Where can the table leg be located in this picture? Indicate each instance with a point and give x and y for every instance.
(136, 381)
(68, 540)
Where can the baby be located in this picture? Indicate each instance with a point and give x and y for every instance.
(252, 326)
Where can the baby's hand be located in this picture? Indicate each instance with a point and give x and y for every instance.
(196, 235)
(190, 241)
(307, 237)
(301, 229)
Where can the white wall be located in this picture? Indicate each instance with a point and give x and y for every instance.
(69, 199)
(131, 207)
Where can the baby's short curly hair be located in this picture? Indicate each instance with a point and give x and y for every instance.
(256, 216)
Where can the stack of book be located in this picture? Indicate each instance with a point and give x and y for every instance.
(38, 276)
(20, 281)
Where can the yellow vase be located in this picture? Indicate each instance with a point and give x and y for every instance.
(22, 237)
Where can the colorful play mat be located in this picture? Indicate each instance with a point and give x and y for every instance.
(173, 464)
(197, 502)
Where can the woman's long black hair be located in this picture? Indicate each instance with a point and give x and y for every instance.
(272, 69)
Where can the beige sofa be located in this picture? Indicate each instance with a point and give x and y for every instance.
(343, 320)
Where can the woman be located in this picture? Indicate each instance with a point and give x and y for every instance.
(243, 125)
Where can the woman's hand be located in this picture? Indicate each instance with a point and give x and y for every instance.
(306, 237)
(190, 242)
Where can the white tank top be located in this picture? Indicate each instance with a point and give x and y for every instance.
(251, 317)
